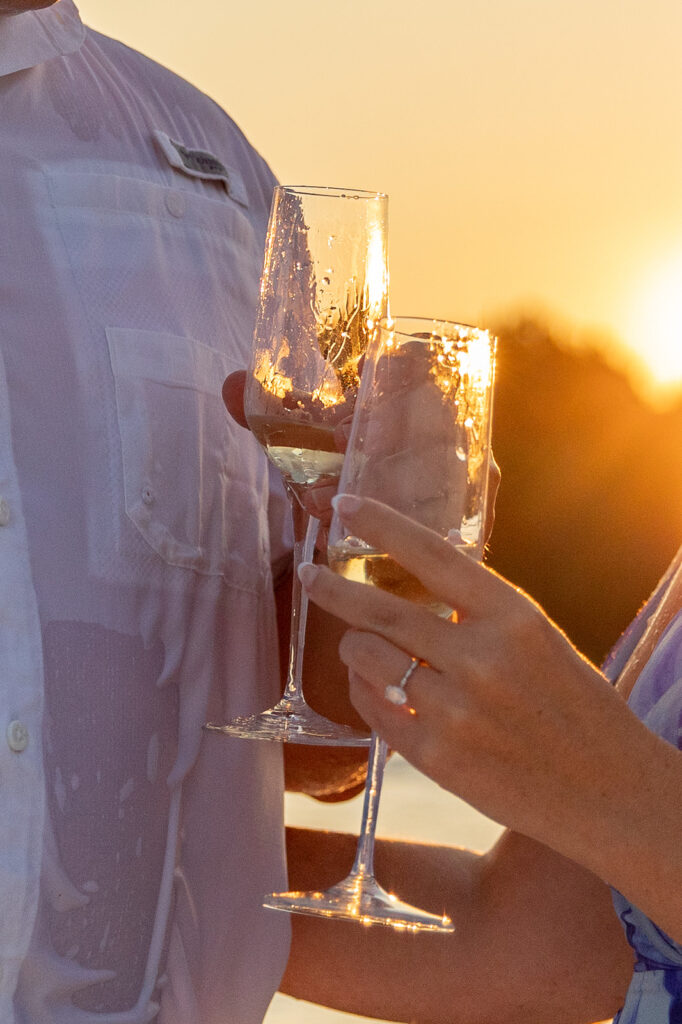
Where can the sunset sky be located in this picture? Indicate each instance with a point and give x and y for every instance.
(531, 149)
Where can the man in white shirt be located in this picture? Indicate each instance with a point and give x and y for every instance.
(138, 528)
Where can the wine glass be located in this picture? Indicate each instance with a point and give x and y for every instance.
(324, 287)
(420, 443)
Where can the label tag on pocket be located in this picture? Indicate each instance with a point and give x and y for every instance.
(199, 163)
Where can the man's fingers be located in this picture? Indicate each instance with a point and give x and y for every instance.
(317, 501)
(342, 433)
(494, 478)
(233, 396)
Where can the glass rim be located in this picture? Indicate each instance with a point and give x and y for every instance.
(330, 190)
(392, 323)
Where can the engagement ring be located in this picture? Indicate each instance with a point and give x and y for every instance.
(396, 694)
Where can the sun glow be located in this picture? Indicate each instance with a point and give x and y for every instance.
(657, 322)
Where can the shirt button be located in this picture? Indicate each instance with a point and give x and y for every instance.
(175, 204)
(4, 512)
(17, 736)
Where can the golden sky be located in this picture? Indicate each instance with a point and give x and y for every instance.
(531, 149)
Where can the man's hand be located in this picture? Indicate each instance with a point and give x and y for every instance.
(326, 773)
(316, 499)
(233, 396)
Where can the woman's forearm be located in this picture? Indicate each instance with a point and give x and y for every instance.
(536, 937)
(627, 829)
(504, 712)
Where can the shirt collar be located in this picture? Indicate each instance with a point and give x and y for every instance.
(32, 37)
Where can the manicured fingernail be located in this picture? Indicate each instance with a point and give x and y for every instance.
(346, 504)
(307, 573)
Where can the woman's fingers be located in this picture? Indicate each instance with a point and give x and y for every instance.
(427, 728)
(453, 577)
(408, 626)
(380, 664)
(380, 677)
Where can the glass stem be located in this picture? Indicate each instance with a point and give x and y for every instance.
(363, 866)
(305, 535)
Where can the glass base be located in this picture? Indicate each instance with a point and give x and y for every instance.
(360, 899)
(292, 722)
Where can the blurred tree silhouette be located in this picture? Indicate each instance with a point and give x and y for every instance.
(589, 512)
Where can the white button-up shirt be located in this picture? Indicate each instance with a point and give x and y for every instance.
(135, 523)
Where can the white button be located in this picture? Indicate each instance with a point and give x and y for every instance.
(4, 512)
(175, 204)
(17, 736)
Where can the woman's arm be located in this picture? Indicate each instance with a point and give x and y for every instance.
(507, 714)
(536, 939)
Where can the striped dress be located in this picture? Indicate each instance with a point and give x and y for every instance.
(655, 992)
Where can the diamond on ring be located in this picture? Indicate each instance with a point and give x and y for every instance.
(396, 694)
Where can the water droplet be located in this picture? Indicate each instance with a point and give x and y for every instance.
(460, 453)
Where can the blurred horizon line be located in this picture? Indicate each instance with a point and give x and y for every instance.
(662, 396)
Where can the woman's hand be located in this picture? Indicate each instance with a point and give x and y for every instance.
(498, 695)
(502, 709)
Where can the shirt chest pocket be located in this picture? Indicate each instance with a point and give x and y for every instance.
(192, 487)
(162, 284)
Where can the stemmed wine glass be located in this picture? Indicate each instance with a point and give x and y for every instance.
(324, 287)
(420, 443)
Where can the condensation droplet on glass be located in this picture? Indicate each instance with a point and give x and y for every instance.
(468, 423)
(326, 281)
(460, 453)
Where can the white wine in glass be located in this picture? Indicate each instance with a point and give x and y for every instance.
(420, 443)
(324, 288)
